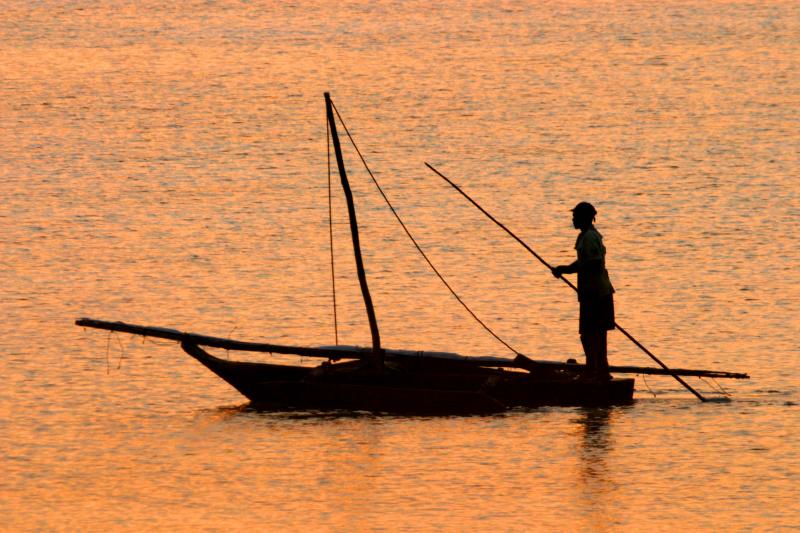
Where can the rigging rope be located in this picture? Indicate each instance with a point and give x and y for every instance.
(330, 229)
(414, 242)
(716, 386)
(108, 350)
(646, 384)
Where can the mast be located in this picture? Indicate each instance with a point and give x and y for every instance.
(377, 351)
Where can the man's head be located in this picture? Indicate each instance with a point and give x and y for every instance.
(583, 215)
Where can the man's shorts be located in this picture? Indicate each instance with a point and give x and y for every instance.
(597, 314)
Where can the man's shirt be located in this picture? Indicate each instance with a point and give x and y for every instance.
(593, 282)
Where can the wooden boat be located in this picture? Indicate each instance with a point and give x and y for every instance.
(409, 381)
(397, 381)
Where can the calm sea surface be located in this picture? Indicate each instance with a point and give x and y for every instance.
(166, 165)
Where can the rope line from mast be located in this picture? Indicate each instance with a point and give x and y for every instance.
(414, 241)
(330, 230)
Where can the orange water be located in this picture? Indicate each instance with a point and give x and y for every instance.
(167, 165)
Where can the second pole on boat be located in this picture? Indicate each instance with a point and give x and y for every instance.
(568, 282)
(377, 351)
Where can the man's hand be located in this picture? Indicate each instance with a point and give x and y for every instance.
(558, 271)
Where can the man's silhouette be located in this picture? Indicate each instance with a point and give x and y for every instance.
(595, 293)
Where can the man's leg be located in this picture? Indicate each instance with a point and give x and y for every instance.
(601, 357)
(589, 351)
(595, 346)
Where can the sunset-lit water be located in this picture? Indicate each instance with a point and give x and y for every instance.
(166, 166)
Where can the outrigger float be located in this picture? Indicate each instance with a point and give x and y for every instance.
(402, 381)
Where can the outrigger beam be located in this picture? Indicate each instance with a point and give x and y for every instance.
(214, 342)
(336, 353)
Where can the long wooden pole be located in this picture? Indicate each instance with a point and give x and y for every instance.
(377, 351)
(537, 256)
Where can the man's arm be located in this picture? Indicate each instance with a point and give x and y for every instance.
(586, 265)
(590, 257)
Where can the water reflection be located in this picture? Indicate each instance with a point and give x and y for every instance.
(219, 415)
(595, 425)
(596, 480)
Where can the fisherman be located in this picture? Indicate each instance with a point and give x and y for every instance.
(595, 293)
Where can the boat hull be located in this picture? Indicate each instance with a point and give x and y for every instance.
(422, 387)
